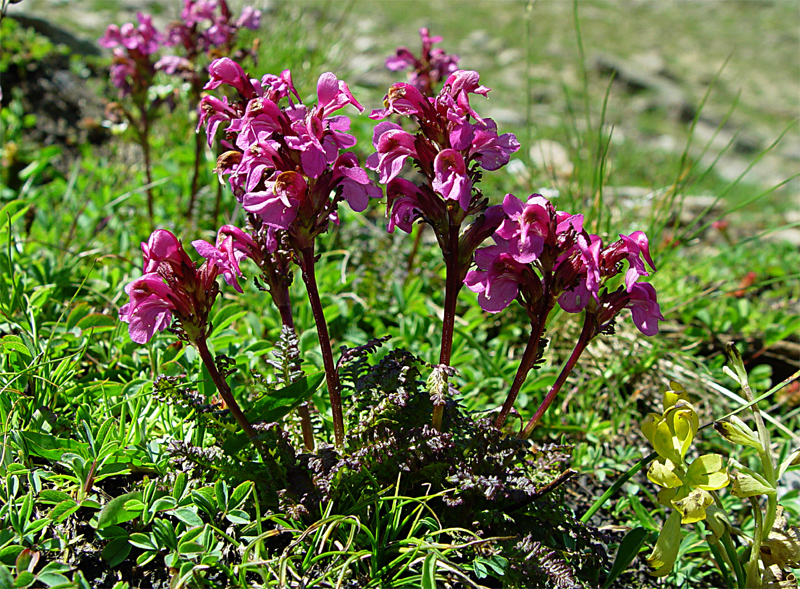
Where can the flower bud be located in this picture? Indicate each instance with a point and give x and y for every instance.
(737, 432)
(750, 485)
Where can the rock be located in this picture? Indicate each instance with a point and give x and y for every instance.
(552, 157)
(635, 78)
(57, 35)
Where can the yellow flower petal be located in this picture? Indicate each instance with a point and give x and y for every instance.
(707, 472)
(662, 473)
(693, 506)
(662, 559)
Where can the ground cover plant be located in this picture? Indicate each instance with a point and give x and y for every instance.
(223, 365)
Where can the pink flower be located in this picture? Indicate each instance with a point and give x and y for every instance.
(233, 246)
(402, 99)
(450, 177)
(278, 204)
(164, 251)
(150, 308)
(403, 204)
(393, 146)
(633, 248)
(645, 310)
(497, 279)
(357, 188)
(226, 71)
(490, 151)
(332, 95)
(527, 226)
(249, 19)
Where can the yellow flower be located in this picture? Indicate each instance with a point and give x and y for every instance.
(685, 486)
(672, 433)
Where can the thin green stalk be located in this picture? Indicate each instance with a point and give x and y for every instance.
(331, 375)
(753, 578)
(617, 486)
(722, 564)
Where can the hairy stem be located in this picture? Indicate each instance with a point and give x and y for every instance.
(331, 375)
(144, 141)
(451, 290)
(198, 156)
(285, 309)
(230, 401)
(529, 356)
(583, 340)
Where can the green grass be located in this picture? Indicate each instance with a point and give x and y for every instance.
(72, 381)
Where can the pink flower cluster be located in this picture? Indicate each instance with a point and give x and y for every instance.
(173, 286)
(452, 142)
(433, 65)
(284, 163)
(133, 46)
(542, 256)
(205, 25)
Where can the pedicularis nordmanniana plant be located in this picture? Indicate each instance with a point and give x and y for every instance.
(286, 165)
(207, 29)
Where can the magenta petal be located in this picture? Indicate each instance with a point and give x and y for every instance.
(499, 295)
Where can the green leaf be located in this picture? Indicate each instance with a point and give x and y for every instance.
(628, 549)
(142, 541)
(115, 512)
(116, 551)
(225, 317)
(14, 343)
(51, 447)
(187, 516)
(179, 487)
(190, 548)
(112, 532)
(11, 212)
(52, 496)
(239, 495)
(98, 322)
(53, 579)
(275, 405)
(643, 515)
(429, 571)
(8, 555)
(80, 311)
(237, 516)
(24, 579)
(63, 510)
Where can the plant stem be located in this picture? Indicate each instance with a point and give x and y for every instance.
(617, 486)
(285, 309)
(587, 333)
(525, 365)
(451, 289)
(331, 375)
(144, 141)
(198, 155)
(753, 578)
(230, 401)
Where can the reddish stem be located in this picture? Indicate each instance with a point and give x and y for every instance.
(144, 141)
(452, 287)
(331, 375)
(230, 401)
(529, 356)
(587, 333)
(198, 155)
